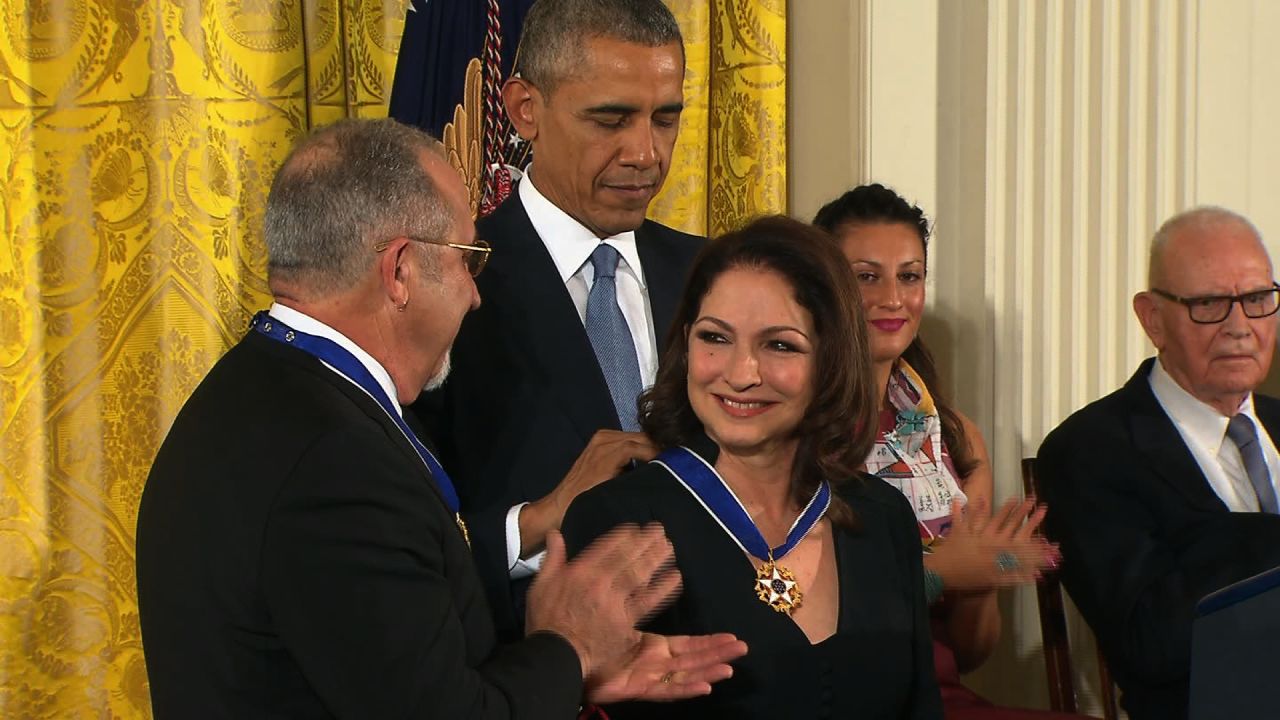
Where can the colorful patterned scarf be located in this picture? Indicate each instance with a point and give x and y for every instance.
(909, 453)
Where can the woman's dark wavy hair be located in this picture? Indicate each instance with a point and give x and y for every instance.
(876, 204)
(839, 426)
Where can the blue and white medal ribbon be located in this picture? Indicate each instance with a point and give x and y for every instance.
(775, 585)
(346, 364)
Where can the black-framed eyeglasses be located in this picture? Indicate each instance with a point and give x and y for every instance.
(477, 255)
(1210, 309)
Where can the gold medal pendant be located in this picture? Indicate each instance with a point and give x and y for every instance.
(463, 527)
(776, 587)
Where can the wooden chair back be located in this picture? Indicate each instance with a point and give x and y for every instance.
(1053, 630)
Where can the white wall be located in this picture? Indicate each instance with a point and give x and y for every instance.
(1049, 140)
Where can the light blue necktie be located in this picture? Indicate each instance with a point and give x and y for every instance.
(611, 338)
(1243, 433)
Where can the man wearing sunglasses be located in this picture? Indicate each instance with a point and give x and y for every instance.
(1165, 490)
(578, 298)
(299, 549)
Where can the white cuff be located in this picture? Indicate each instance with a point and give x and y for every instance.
(516, 567)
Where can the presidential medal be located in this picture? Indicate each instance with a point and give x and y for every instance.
(463, 527)
(776, 587)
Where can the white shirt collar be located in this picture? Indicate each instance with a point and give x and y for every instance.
(305, 323)
(568, 241)
(1200, 420)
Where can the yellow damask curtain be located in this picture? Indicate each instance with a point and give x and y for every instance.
(730, 161)
(138, 140)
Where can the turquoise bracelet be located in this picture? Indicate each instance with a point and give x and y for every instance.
(932, 586)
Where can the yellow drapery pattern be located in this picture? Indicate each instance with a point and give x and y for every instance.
(138, 140)
(730, 161)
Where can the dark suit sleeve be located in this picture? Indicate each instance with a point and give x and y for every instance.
(361, 572)
(487, 527)
(1135, 559)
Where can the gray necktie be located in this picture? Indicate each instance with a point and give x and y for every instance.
(1242, 432)
(611, 338)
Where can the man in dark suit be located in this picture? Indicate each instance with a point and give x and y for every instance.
(1164, 491)
(299, 550)
(540, 407)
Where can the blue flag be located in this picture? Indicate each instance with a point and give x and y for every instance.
(453, 59)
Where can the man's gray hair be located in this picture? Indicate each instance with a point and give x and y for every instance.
(1196, 218)
(554, 37)
(344, 188)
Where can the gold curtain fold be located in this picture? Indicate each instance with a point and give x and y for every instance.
(730, 162)
(138, 140)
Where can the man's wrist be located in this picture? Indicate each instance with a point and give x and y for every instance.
(578, 648)
(533, 527)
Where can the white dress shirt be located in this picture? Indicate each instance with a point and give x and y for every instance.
(305, 323)
(570, 245)
(1204, 430)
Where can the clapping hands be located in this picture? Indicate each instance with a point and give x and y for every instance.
(661, 667)
(985, 551)
(595, 602)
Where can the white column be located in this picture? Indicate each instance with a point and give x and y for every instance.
(1048, 139)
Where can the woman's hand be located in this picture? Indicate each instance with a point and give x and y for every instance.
(984, 551)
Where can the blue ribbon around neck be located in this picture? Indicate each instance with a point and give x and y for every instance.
(714, 494)
(341, 360)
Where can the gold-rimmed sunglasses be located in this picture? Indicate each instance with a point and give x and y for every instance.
(477, 255)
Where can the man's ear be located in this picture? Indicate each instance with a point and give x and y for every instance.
(524, 103)
(393, 270)
(1148, 312)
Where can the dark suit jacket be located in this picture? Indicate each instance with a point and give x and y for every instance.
(879, 663)
(1144, 537)
(295, 560)
(526, 393)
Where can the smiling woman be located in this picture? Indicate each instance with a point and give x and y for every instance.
(930, 452)
(751, 363)
(764, 405)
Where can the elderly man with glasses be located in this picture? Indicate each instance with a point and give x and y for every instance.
(1165, 490)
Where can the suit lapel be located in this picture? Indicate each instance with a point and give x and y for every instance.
(664, 279)
(1268, 411)
(1162, 447)
(541, 322)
